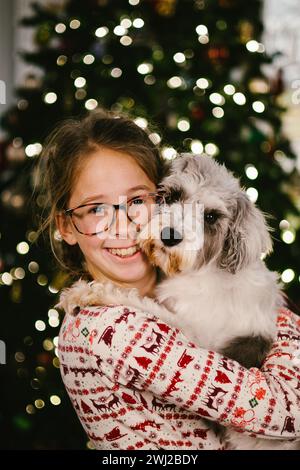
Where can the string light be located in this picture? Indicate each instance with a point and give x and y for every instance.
(216, 98)
(252, 193)
(287, 276)
(52, 289)
(284, 225)
(175, 82)
(254, 46)
(80, 82)
(60, 28)
(218, 112)
(258, 106)
(91, 104)
(75, 24)
(155, 138)
(88, 59)
(229, 89)
(39, 404)
(251, 172)
(126, 40)
(19, 273)
(22, 248)
(6, 279)
(239, 98)
(62, 60)
(55, 400)
(101, 32)
(141, 122)
(197, 146)
(50, 97)
(145, 68)
(201, 30)
(48, 345)
(32, 150)
(183, 125)
(211, 149)
(42, 280)
(138, 23)
(203, 39)
(120, 30)
(126, 23)
(54, 322)
(33, 267)
(116, 72)
(179, 58)
(202, 83)
(40, 325)
(149, 80)
(169, 153)
(288, 237)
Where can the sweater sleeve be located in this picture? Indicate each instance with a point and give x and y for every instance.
(139, 351)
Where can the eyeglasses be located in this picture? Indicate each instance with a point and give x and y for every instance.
(92, 219)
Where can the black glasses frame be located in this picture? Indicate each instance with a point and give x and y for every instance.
(69, 212)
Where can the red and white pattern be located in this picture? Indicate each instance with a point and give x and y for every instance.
(137, 383)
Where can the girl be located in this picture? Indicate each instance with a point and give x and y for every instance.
(135, 382)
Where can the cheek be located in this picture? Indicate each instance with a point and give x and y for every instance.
(90, 245)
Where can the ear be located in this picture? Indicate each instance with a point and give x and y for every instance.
(65, 229)
(247, 236)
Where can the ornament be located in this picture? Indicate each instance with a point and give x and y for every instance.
(55, 7)
(259, 85)
(32, 82)
(218, 54)
(165, 7)
(198, 113)
(227, 3)
(43, 34)
(15, 154)
(246, 31)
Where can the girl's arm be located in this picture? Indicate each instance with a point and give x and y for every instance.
(141, 352)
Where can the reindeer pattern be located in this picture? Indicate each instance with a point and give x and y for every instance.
(136, 384)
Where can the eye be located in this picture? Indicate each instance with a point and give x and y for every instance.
(137, 200)
(175, 195)
(211, 217)
(96, 209)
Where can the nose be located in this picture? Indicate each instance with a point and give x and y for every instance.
(119, 227)
(170, 237)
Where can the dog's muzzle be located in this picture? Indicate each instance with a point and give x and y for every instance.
(170, 237)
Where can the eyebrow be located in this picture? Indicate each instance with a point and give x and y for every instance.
(131, 190)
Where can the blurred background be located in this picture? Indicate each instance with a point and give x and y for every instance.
(216, 76)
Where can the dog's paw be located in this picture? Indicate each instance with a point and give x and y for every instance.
(76, 296)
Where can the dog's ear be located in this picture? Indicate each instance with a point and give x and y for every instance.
(247, 236)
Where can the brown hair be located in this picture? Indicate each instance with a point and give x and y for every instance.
(60, 162)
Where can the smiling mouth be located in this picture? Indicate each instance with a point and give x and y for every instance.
(124, 252)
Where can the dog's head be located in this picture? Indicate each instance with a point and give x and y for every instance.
(206, 218)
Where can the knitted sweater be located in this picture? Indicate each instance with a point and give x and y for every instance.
(137, 383)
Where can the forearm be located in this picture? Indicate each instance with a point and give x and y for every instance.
(149, 355)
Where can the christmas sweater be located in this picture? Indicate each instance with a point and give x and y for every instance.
(138, 383)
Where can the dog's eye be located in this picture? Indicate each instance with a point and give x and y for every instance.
(174, 195)
(211, 217)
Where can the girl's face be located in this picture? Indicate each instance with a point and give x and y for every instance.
(110, 176)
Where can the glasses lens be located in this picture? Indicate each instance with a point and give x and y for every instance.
(141, 208)
(94, 218)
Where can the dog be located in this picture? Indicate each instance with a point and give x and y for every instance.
(217, 289)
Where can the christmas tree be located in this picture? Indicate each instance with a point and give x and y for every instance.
(195, 68)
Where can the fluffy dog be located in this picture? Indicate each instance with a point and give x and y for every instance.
(218, 290)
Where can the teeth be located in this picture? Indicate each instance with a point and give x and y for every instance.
(124, 251)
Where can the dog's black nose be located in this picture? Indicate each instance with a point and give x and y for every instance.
(170, 237)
